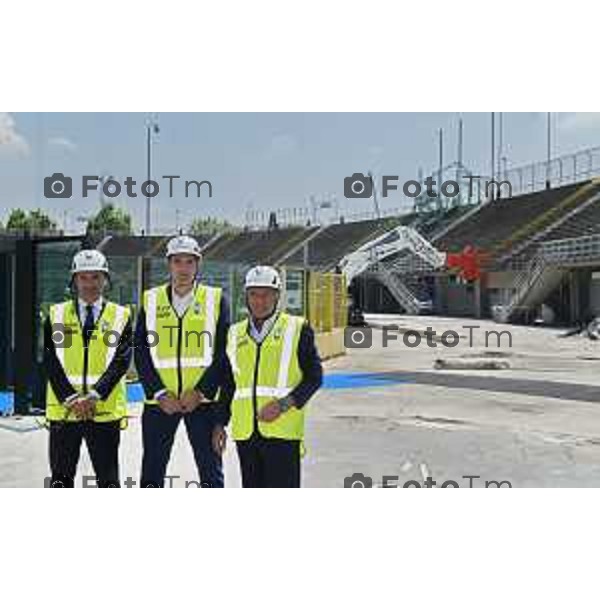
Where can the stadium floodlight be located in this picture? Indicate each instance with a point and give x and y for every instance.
(152, 129)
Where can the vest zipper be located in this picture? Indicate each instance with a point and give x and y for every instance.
(254, 399)
(86, 348)
(85, 368)
(256, 365)
(179, 375)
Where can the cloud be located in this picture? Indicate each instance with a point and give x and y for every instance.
(12, 143)
(62, 143)
(577, 121)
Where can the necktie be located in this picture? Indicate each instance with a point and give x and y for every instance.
(88, 326)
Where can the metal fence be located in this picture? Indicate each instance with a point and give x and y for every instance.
(524, 179)
(572, 251)
(320, 297)
(562, 170)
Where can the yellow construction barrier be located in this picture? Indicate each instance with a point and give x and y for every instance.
(327, 311)
(327, 301)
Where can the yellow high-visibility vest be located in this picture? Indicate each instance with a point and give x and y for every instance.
(181, 349)
(264, 373)
(82, 373)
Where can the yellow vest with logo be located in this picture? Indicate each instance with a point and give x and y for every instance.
(265, 373)
(70, 352)
(181, 355)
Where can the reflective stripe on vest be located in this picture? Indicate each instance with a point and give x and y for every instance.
(71, 357)
(277, 374)
(199, 322)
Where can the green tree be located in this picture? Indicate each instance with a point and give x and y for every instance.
(209, 226)
(110, 219)
(39, 221)
(17, 220)
(35, 221)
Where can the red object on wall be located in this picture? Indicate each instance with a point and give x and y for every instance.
(468, 261)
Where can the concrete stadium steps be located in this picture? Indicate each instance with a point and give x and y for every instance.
(585, 222)
(326, 245)
(547, 221)
(580, 223)
(335, 241)
(151, 246)
(256, 246)
(429, 227)
(498, 220)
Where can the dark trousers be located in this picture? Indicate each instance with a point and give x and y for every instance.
(158, 434)
(102, 441)
(269, 463)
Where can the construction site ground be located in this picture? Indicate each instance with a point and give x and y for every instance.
(390, 414)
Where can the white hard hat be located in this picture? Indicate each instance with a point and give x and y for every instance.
(89, 260)
(263, 277)
(183, 244)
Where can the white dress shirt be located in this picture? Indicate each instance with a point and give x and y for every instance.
(82, 310)
(182, 303)
(96, 309)
(259, 335)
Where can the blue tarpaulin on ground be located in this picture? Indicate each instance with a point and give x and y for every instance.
(332, 381)
(338, 381)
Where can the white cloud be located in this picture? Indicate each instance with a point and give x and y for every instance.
(12, 143)
(577, 121)
(62, 143)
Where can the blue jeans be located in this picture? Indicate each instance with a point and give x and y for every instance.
(158, 434)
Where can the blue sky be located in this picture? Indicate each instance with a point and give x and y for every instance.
(268, 160)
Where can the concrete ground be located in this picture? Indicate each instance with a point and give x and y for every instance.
(388, 413)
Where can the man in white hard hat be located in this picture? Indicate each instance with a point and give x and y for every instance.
(87, 350)
(276, 369)
(180, 341)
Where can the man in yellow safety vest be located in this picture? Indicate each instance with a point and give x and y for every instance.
(275, 368)
(87, 350)
(180, 342)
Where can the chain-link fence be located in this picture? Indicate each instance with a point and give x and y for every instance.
(320, 297)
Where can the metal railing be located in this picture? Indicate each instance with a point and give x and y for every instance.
(401, 293)
(571, 251)
(545, 221)
(400, 239)
(522, 284)
(524, 179)
(562, 170)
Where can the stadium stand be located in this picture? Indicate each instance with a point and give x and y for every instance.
(149, 246)
(499, 220)
(579, 223)
(327, 249)
(264, 246)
